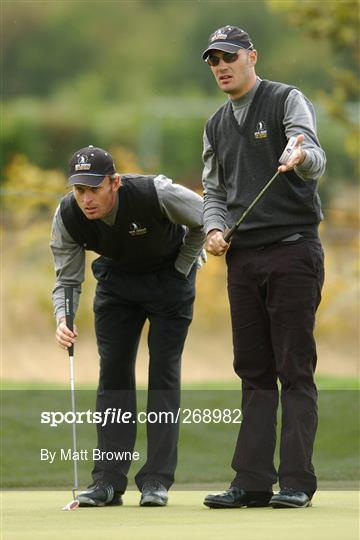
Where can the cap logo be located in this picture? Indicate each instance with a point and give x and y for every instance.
(219, 34)
(82, 164)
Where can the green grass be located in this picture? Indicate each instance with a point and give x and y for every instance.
(324, 382)
(38, 516)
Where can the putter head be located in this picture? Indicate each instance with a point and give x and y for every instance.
(71, 505)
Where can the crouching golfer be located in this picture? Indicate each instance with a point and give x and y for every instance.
(148, 233)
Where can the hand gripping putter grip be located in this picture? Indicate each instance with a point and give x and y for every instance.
(283, 159)
(69, 316)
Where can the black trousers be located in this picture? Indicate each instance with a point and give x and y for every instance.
(274, 293)
(123, 302)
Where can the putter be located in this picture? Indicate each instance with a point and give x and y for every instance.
(69, 316)
(283, 159)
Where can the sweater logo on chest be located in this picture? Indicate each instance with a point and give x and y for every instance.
(261, 131)
(135, 229)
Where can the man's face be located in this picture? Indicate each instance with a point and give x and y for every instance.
(235, 78)
(97, 202)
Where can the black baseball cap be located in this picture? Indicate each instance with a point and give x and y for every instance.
(228, 39)
(89, 166)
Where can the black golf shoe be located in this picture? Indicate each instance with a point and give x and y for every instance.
(237, 498)
(290, 498)
(153, 493)
(101, 493)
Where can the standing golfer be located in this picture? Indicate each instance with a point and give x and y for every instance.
(148, 233)
(275, 268)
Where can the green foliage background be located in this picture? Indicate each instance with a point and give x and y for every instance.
(130, 73)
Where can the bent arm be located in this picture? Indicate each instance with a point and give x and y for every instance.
(69, 262)
(183, 206)
(299, 118)
(214, 201)
(214, 190)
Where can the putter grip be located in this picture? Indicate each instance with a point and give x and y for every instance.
(69, 313)
(229, 233)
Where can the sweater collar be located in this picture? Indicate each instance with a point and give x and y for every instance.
(247, 98)
(110, 218)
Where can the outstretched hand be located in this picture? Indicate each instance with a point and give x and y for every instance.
(297, 156)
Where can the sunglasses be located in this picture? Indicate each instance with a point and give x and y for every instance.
(228, 58)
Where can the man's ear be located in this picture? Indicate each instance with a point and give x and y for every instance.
(116, 183)
(252, 57)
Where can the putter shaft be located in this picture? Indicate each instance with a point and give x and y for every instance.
(73, 408)
(69, 316)
(230, 232)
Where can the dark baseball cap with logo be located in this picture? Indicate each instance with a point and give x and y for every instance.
(89, 166)
(228, 39)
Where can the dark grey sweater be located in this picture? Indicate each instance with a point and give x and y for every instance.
(142, 239)
(248, 157)
(299, 117)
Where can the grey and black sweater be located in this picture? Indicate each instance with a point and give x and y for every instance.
(246, 157)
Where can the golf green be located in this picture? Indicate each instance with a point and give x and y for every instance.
(37, 514)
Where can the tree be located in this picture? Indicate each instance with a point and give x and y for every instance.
(336, 23)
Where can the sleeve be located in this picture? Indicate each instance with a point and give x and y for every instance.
(214, 190)
(69, 262)
(182, 206)
(299, 117)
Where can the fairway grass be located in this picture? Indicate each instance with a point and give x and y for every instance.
(28, 515)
